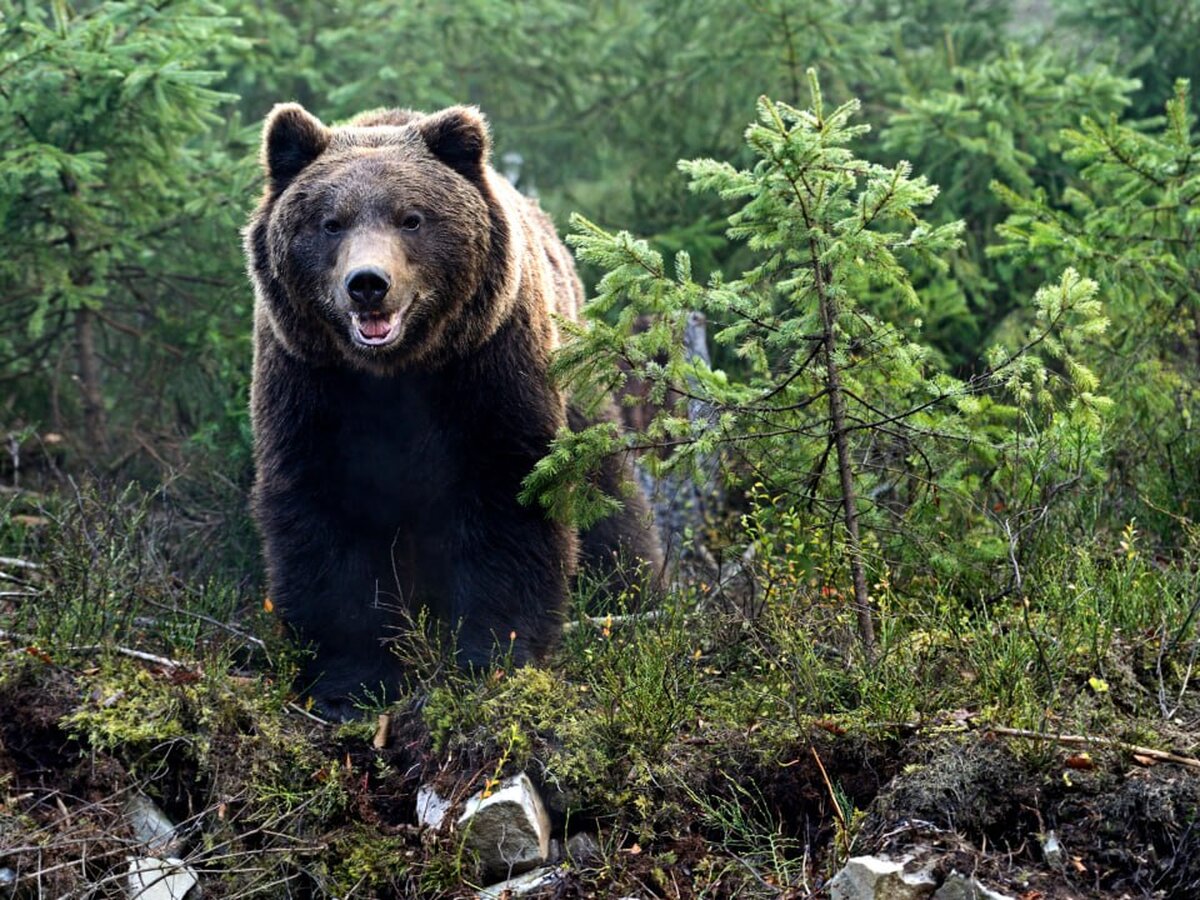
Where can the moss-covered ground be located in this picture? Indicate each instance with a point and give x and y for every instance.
(732, 742)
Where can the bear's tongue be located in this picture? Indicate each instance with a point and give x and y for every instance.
(374, 327)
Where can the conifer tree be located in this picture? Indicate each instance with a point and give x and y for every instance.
(100, 191)
(1155, 40)
(832, 409)
(993, 119)
(826, 226)
(1129, 222)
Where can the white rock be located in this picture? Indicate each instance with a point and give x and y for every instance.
(151, 878)
(431, 807)
(509, 828)
(1052, 849)
(521, 885)
(962, 887)
(876, 878)
(150, 825)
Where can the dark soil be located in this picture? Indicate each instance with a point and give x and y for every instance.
(55, 798)
(64, 832)
(1126, 831)
(976, 805)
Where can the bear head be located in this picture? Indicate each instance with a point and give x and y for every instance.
(383, 243)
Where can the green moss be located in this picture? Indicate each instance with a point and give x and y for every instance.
(128, 708)
(511, 709)
(371, 860)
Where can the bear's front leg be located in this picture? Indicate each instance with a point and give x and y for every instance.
(508, 583)
(326, 587)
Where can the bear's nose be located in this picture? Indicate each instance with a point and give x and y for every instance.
(367, 285)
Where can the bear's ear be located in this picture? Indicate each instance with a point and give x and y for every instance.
(292, 138)
(458, 136)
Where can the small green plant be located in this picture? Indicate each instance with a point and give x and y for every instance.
(371, 861)
(749, 831)
(135, 711)
(644, 680)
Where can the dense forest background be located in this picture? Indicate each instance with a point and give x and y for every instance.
(952, 400)
(129, 163)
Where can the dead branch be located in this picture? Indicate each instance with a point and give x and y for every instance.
(1084, 740)
(297, 708)
(141, 655)
(609, 621)
(19, 563)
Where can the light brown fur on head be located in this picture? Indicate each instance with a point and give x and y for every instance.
(410, 197)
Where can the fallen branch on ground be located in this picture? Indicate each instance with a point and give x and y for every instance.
(609, 621)
(297, 708)
(164, 661)
(1083, 740)
(19, 563)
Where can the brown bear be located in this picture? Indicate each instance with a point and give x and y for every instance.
(403, 327)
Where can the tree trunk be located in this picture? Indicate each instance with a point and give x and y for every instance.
(88, 361)
(837, 412)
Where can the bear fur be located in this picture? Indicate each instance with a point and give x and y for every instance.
(404, 302)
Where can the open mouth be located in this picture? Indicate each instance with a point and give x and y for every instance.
(375, 329)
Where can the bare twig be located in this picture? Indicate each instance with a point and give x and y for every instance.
(19, 563)
(142, 655)
(1164, 651)
(297, 708)
(844, 837)
(224, 626)
(164, 661)
(1085, 740)
(608, 621)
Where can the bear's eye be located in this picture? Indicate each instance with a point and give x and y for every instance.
(331, 226)
(411, 221)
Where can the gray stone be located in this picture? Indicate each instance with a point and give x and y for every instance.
(876, 878)
(150, 826)
(520, 886)
(583, 849)
(963, 887)
(151, 878)
(508, 829)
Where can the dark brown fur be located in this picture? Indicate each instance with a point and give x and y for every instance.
(397, 411)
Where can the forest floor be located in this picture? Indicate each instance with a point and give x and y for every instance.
(268, 802)
(712, 749)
